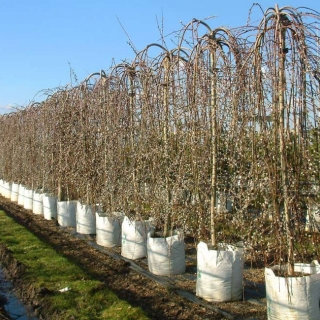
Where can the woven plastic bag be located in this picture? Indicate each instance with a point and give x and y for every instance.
(219, 274)
(294, 297)
(166, 256)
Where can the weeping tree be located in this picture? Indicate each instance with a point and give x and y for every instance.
(87, 149)
(66, 137)
(217, 73)
(284, 110)
(9, 144)
(158, 75)
(124, 132)
(36, 149)
(30, 148)
(50, 145)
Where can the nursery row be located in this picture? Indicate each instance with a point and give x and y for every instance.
(218, 136)
(219, 272)
(138, 239)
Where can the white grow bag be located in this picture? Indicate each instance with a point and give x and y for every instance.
(7, 190)
(166, 256)
(49, 207)
(37, 205)
(1, 187)
(28, 199)
(21, 195)
(134, 238)
(66, 212)
(86, 219)
(108, 229)
(219, 274)
(294, 297)
(14, 192)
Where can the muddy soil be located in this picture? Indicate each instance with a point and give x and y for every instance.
(158, 301)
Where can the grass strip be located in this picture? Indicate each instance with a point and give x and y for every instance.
(87, 297)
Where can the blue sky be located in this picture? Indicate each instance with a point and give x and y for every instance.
(41, 39)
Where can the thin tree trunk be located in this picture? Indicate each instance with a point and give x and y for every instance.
(283, 155)
(213, 105)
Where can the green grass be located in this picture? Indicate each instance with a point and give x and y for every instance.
(87, 298)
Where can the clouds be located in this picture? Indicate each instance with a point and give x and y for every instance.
(7, 108)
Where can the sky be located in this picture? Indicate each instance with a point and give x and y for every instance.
(45, 44)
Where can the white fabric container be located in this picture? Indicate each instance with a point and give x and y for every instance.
(166, 256)
(134, 238)
(28, 199)
(49, 207)
(14, 192)
(86, 219)
(108, 229)
(219, 274)
(37, 205)
(1, 187)
(66, 212)
(4, 188)
(21, 195)
(294, 297)
(7, 190)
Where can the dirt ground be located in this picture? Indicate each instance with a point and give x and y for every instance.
(160, 297)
